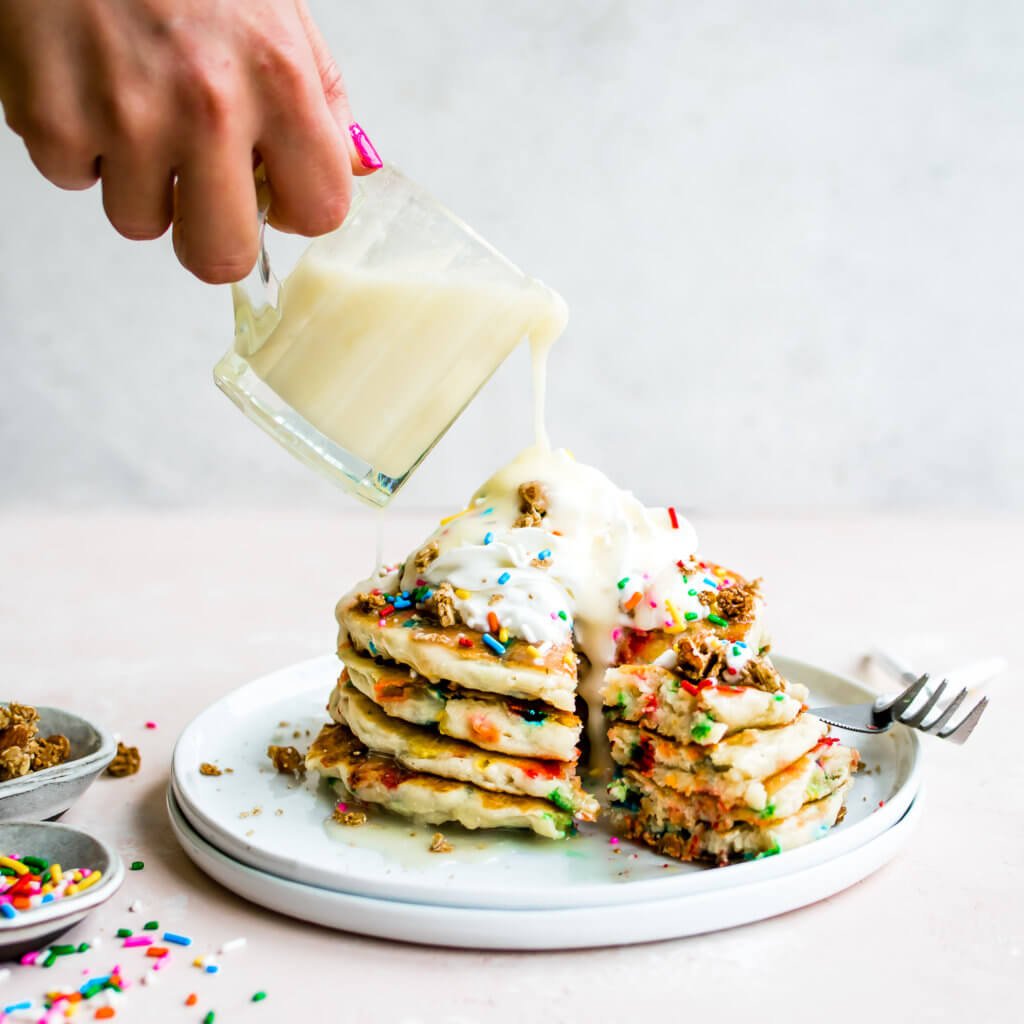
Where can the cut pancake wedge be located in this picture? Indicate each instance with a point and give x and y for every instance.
(661, 815)
(375, 779)
(526, 729)
(656, 699)
(459, 653)
(812, 777)
(733, 770)
(421, 749)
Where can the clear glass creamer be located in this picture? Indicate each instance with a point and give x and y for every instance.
(379, 337)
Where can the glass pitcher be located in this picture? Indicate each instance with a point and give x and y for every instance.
(379, 337)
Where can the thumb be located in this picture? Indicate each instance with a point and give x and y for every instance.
(363, 154)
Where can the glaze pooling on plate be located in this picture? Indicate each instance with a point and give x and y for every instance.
(731, 898)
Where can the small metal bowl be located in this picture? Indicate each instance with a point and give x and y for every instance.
(71, 848)
(48, 793)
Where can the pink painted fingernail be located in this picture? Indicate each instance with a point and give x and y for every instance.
(368, 155)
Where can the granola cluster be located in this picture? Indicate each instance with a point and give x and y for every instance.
(286, 760)
(738, 602)
(22, 749)
(698, 656)
(533, 504)
(426, 555)
(371, 601)
(441, 604)
(127, 761)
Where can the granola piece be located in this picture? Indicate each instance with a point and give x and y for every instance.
(426, 555)
(350, 818)
(19, 735)
(286, 759)
(50, 751)
(438, 844)
(737, 602)
(209, 769)
(371, 601)
(699, 657)
(527, 519)
(533, 497)
(761, 675)
(14, 762)
(127, 761)
(18, 714)
(441, 604)
(533, 504)
(707, 598)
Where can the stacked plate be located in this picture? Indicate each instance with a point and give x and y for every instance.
(271, 839)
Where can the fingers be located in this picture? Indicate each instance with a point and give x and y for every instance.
(138, 194)
(362, 154)
(305, 156)
(58, 142)
(215, 233)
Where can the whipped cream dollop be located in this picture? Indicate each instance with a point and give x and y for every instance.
(576, 571)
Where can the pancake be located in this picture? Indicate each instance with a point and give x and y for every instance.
(658, 700)
(733, 770)
(459, 653)
(524, 728)
(421, 749)
(657, 817)
(816, 775)
(375, 779)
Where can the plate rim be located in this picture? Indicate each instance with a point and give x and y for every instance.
(536, 928)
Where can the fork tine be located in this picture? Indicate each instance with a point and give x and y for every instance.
(902, 701)
(915, 720)
(947, 714)
(959, 733)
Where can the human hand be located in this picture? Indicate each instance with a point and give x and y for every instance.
(171, 103)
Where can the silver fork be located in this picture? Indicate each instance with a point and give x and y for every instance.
(881, 715)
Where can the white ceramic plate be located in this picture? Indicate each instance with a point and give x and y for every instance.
(574, 928)
(278, 825)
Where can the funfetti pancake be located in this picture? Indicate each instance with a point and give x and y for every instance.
(816, 775)
(377, 779)
(420, 749)
(704, 712)
(525, 728)
(459, 653)
(652, 822)
(733, 770)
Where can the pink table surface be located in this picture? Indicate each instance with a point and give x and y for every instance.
(130, 618)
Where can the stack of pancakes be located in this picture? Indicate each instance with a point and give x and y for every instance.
(430, 722)
(716, 756)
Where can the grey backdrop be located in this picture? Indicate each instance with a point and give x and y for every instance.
(790, 235)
